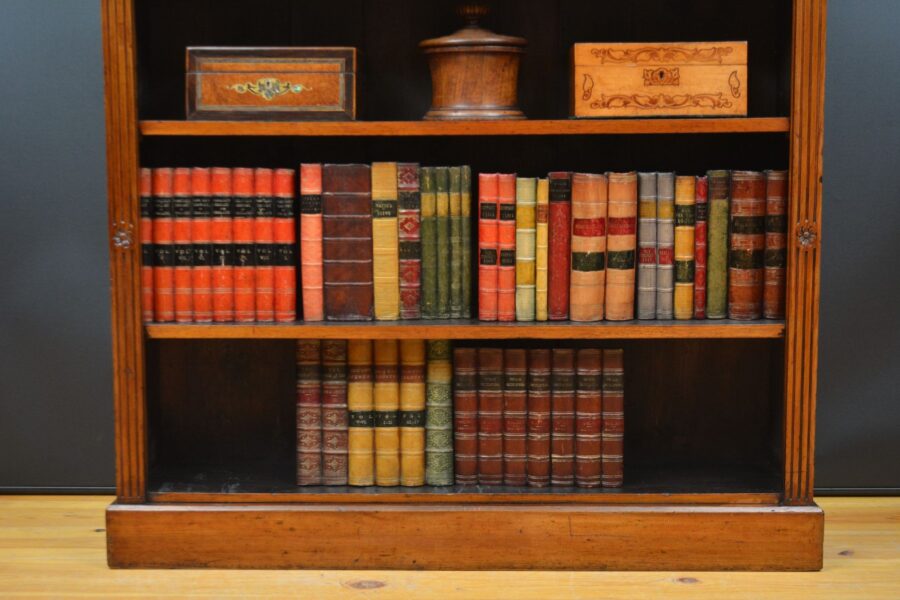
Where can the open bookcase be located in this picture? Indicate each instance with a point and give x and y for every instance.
(721, 414)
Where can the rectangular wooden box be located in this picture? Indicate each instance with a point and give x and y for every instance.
(659, 79)
(302, 84)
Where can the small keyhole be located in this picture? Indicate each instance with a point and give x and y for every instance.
(662, 75)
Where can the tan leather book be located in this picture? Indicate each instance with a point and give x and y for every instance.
(385, 242)
(542, 249)
(588, 279)
(360, 404)
(386, 401)
(412, 412)
(620, 246)
(685, 201)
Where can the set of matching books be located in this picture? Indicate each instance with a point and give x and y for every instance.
(569, 246)
(217, 245)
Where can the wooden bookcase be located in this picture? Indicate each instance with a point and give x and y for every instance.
(721, 415)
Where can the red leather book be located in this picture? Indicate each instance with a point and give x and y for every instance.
(559, 247)
(515, 416)
(746, 247)
(587, 286)
(776, 244)
(311, 241)
(201, 244)
(465, 415)
(309, 412)
(223, 247)
(334, 412)
(409, 225)
(264, 244)
(506, 244)
(285, 246)
(347, 242)
(163, 242)
(588, 417)
(562, 406)
(537, 445)
(184, 253)
(146, 245)
(487, 246)
(701, 230)
(244, 252)
(490, 416)
(613, 417)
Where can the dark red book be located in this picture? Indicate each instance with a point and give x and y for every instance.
(562, 407)
(264, 244)
(746, 245)
(490, 416)
(409, 225)
(701, 228)
(284, 230)
(515, 416)
(335, 418)
(163, 247)
(488, 256)
(559, 246)
(244, 251)
(465, 415)
(538, 432)
(506, 243)
(613, 418)
(309, 412)
(588, 417)
(201, 245)
(146, 245)
(776, 244)
(184, 253)
(223, 246)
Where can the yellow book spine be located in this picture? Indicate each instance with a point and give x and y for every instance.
(412, 412)
(385, 242)
(685, 202)
(387, 406)
(542, 246)
(360, 404)
(525, 248)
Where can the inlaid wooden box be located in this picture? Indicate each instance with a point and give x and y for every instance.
(300, 84)
(659, 79)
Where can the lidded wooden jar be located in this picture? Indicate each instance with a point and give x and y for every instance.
(474, 72)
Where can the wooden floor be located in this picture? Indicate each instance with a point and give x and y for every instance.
(54, 546)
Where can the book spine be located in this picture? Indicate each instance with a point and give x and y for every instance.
(717, 245)
(334, 412)
(466, 210)
(701, 221)
(409, 226)
(385, 242)
(588, 277)
(264, 244)
(537, 467)
(347, 242)
(438, 414)
(412, 412)
(685, 198)
(621, 243)
(309, 413)
(442, 204)
(542, 229)
(746, 245)
(588, 417)
(311, 277)
(284, 226)
(387, 413)
(776, 244)
(613, 418)
(515, 416)
(183, 251)
(562, 437)
(490, 416)
(163, 247)
(665, 245)
(506, 247)
(223, 246)
(526, 231)
(429, 243)
(146, 245)
(559, 246)
(361, 414)
(646, 284)
(456, 258)
(488, 256)
(201, 245)
(465, 415)
(244, 251)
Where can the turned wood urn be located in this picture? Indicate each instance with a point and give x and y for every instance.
(474, 72)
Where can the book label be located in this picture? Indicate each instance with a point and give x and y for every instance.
(507, 258)
(311, 204)
(746, 259)
(622, 225)
(748, 225)
(410, 250)
(620, 259)
(588, 261)
(589, 227)
(412, 418)
(488, 256)
(361, 418)
(384, 209)
(488, 211)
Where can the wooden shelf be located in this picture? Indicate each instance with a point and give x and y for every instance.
(473, 330)
(464, 128)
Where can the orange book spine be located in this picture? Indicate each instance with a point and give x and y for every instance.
(620, 246)
(146, 245)
(487, 246)
(184, 254)
(163, 253)
(201, 245)
(244, 253)
(285, 247)
(223, 246)
(588, 279)
(263, 243)
(311, 275)
(506, 246)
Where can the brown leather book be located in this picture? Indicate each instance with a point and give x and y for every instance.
(515, 416)
(347, 242)
(562, 437)
(309, 412)
(621, 243)
(588, 417)
(776, 244)
(588, 279)
(613, 418)
(490, 416)
(537, 444)
(334, 412)
(465, 415)
(746, 247)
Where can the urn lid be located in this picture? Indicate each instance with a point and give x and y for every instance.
(472, 35)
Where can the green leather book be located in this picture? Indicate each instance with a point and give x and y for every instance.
(466, 209)
(429, 243)
(442, 190)
(456, 259)
(717, 246)
(439, 413)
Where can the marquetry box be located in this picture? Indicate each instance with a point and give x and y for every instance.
(659, 79)
(302, 84)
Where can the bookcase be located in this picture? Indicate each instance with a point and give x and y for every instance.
(721, 414)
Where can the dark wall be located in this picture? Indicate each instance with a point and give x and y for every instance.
(55, 374)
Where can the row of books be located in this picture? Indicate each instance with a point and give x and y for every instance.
(588, 247)
(413, 413)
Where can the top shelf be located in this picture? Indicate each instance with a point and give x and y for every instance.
(465, 128)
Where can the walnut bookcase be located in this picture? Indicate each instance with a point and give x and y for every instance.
(721, 424)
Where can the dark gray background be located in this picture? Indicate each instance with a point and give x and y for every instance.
(56, 429)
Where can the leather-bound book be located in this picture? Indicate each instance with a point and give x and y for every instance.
(646, 242)
(387, 412)
(309, 412)
(588, 417)
(347, 242)
(429, 243)
(506, 244)
(776, 244)
(163, 247)
(412, 412)
(361, 414)
(465, 415)
(562, 407)
(385, 242)
(685, 199)
(526, 203)
(184, 252)
(201, 244)
(537, 467)
(334, 412)
(146, 245)
(515, 416)
(284, 229)
(665, 245)
(542, 232)
(439, 414)
(244, 252)
(311, 277)
(613, 418)
(701, 229)
(264, 244)
(490, 416)
(223, 245)
(466, 210)
(588, 278)
(717, 245)
(456, 257)
(559, 245)
(409, 226)
(442, 203)
(488, 254)
(620, 246)
(746, 245)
